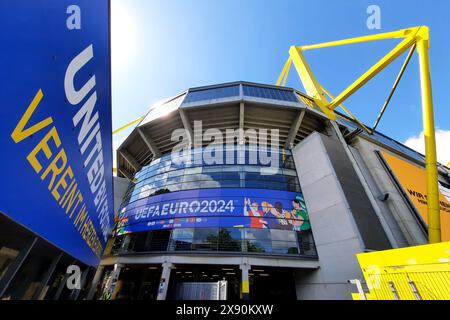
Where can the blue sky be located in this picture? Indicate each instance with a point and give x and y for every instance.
(160, 48)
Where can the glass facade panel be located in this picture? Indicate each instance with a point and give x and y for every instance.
(213, 93)
(249, 235)
(269, 93)
(182, 239)
(284, 247)
(206, 239)
(247, 240)
(162, 109)
(163, 175)
(258, 240)
(230, 239)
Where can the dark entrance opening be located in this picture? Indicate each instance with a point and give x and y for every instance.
(274, 284)
(138, 282)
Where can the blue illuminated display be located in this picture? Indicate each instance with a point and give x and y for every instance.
(233, 207)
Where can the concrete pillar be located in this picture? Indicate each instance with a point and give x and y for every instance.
(75, 293)
(95, 281)
(336, 236)
(111, 284)
(40, 293)
(241, 139)
(62, 284)
(245, 284)
(164, 282)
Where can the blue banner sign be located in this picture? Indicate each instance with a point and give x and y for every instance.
(56, 122)
(228, 207)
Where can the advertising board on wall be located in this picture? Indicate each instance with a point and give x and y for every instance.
(412, 179)
(56, 122)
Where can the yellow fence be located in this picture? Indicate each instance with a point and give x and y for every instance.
(413, 273)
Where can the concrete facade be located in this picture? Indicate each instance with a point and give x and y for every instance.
(335, 232)
(120, 188)
(406, 226)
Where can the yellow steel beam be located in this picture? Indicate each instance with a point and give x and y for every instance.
(283, 76)
(381, 36)
(394, 87)
(312, 86)
(417, 36)
(348, 112)
(287, 72)
(434, 220)
(373, 71)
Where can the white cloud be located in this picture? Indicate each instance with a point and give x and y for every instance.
(442, 144)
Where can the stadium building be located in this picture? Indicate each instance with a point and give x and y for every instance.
(278, 211)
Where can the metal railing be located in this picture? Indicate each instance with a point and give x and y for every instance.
(306, 249)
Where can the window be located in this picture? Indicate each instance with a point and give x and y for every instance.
(141, 241)
(284, 242)
(258, 240)
(161, 174)
(182, 239)
(269, 93)
(205, 239)
(306, 243)
(231, 176)
(121, 244)
(173, 180)
(230, 239)
(269, 241)
(284, 247)
(213, 93)
(230, 183)
(159, 240)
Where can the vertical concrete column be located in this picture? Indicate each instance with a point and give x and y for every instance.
(241, 137)
(164, 282)
(15, 266)
(245, 284)
(76, 293)
(111, 284)
(365, 185)
(40, 292)
(62, 284)
(95, 281)
(336, 236)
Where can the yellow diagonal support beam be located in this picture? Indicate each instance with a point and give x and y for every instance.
(287, 73)
(394, 87)
(312, 86)
(372, 72)
(127, 125)
(348, 112)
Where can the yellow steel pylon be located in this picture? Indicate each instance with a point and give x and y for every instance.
(416, 38)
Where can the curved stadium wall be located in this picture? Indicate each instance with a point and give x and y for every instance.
(190, 205)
